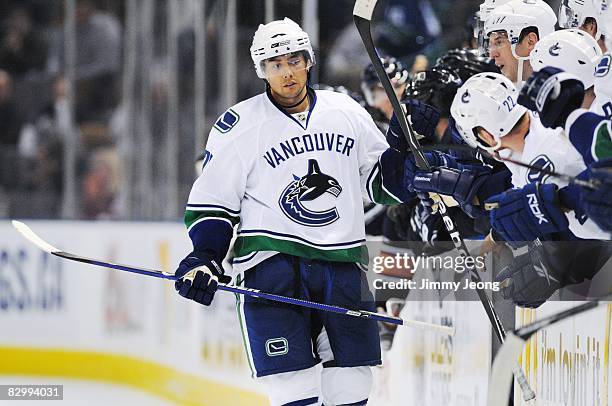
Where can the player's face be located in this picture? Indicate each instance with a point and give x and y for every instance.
(287, 75)
(501, 52)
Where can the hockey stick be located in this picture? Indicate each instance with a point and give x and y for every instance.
(564, 177)
(45, 246)
(362, 15)
(501, 376)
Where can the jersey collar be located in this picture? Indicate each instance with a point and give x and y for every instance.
(313, 100)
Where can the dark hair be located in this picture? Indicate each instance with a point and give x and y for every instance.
(528, 30)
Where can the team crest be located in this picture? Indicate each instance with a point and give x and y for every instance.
(554, 50)
(309, 188)
(227, 121)
(603, 67)
(465, 97)
(535, 175)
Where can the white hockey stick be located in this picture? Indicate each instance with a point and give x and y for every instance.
(500, 384)
(45, 246)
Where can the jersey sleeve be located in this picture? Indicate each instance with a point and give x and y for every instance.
(213, 208)
(590, 134)
(381, 168)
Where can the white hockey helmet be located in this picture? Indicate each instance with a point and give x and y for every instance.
(573, 14)
(486, 100)
(517, 15)
(573, 51)
(604, 19)
(277, 38)
(486, 8)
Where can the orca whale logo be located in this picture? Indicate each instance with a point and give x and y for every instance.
(554, 50)
(534, 175)
(465, 97)
(307, 188)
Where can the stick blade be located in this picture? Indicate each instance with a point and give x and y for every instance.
(364, 8)
(500, 383)
(31, 236)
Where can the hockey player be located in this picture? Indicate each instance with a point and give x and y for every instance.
(582, 15)
(512, 30)
(375, 94)
(288, 166)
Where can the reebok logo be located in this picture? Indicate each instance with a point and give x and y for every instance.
(422, 179)
(532, 201)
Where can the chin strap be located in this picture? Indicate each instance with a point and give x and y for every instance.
(519, 74)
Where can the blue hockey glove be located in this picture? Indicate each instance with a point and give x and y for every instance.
(528, 280)
(435, 159)
(461, 184)
(523, 215)
(553, 94)
(199, 276)
(597, 203)
(424, 119)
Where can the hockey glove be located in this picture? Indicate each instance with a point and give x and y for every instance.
(424, 119)
(523, 215)
(461, 184)
(553, 94)
(434, 158)
(199, 276)
(597, 203)
(528, 281)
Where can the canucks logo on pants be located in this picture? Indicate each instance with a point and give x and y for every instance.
(308, 188)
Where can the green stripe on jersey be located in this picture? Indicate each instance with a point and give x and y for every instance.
(247, 244)
(193, 216)
(602, 145)
(378, 193)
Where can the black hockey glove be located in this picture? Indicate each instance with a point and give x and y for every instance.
(553, 94)
(199, 276)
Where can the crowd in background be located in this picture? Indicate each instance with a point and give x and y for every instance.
(34, 115)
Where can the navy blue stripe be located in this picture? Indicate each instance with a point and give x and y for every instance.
(360, 403)
(303, 402)
(372, 172)
(214, 206)
(248, 258)
(298, 238)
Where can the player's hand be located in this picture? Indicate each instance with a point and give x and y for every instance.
(434, 158)
(528, 280)
(523, 215)
(424, 119)
(461, 185)
(597, 203)
(553, 94)
(198, 278)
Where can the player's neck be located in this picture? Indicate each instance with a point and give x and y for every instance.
(293, 105)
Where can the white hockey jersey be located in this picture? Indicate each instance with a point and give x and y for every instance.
(293, 183)
(548, 149)
(602, 80)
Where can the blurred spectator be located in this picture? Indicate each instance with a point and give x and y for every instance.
(98, 61)
(407, 27)
(10, 119)
(22, 47)
(100, 184)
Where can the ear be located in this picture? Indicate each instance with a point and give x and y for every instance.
(530, 40)
(485, 136)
